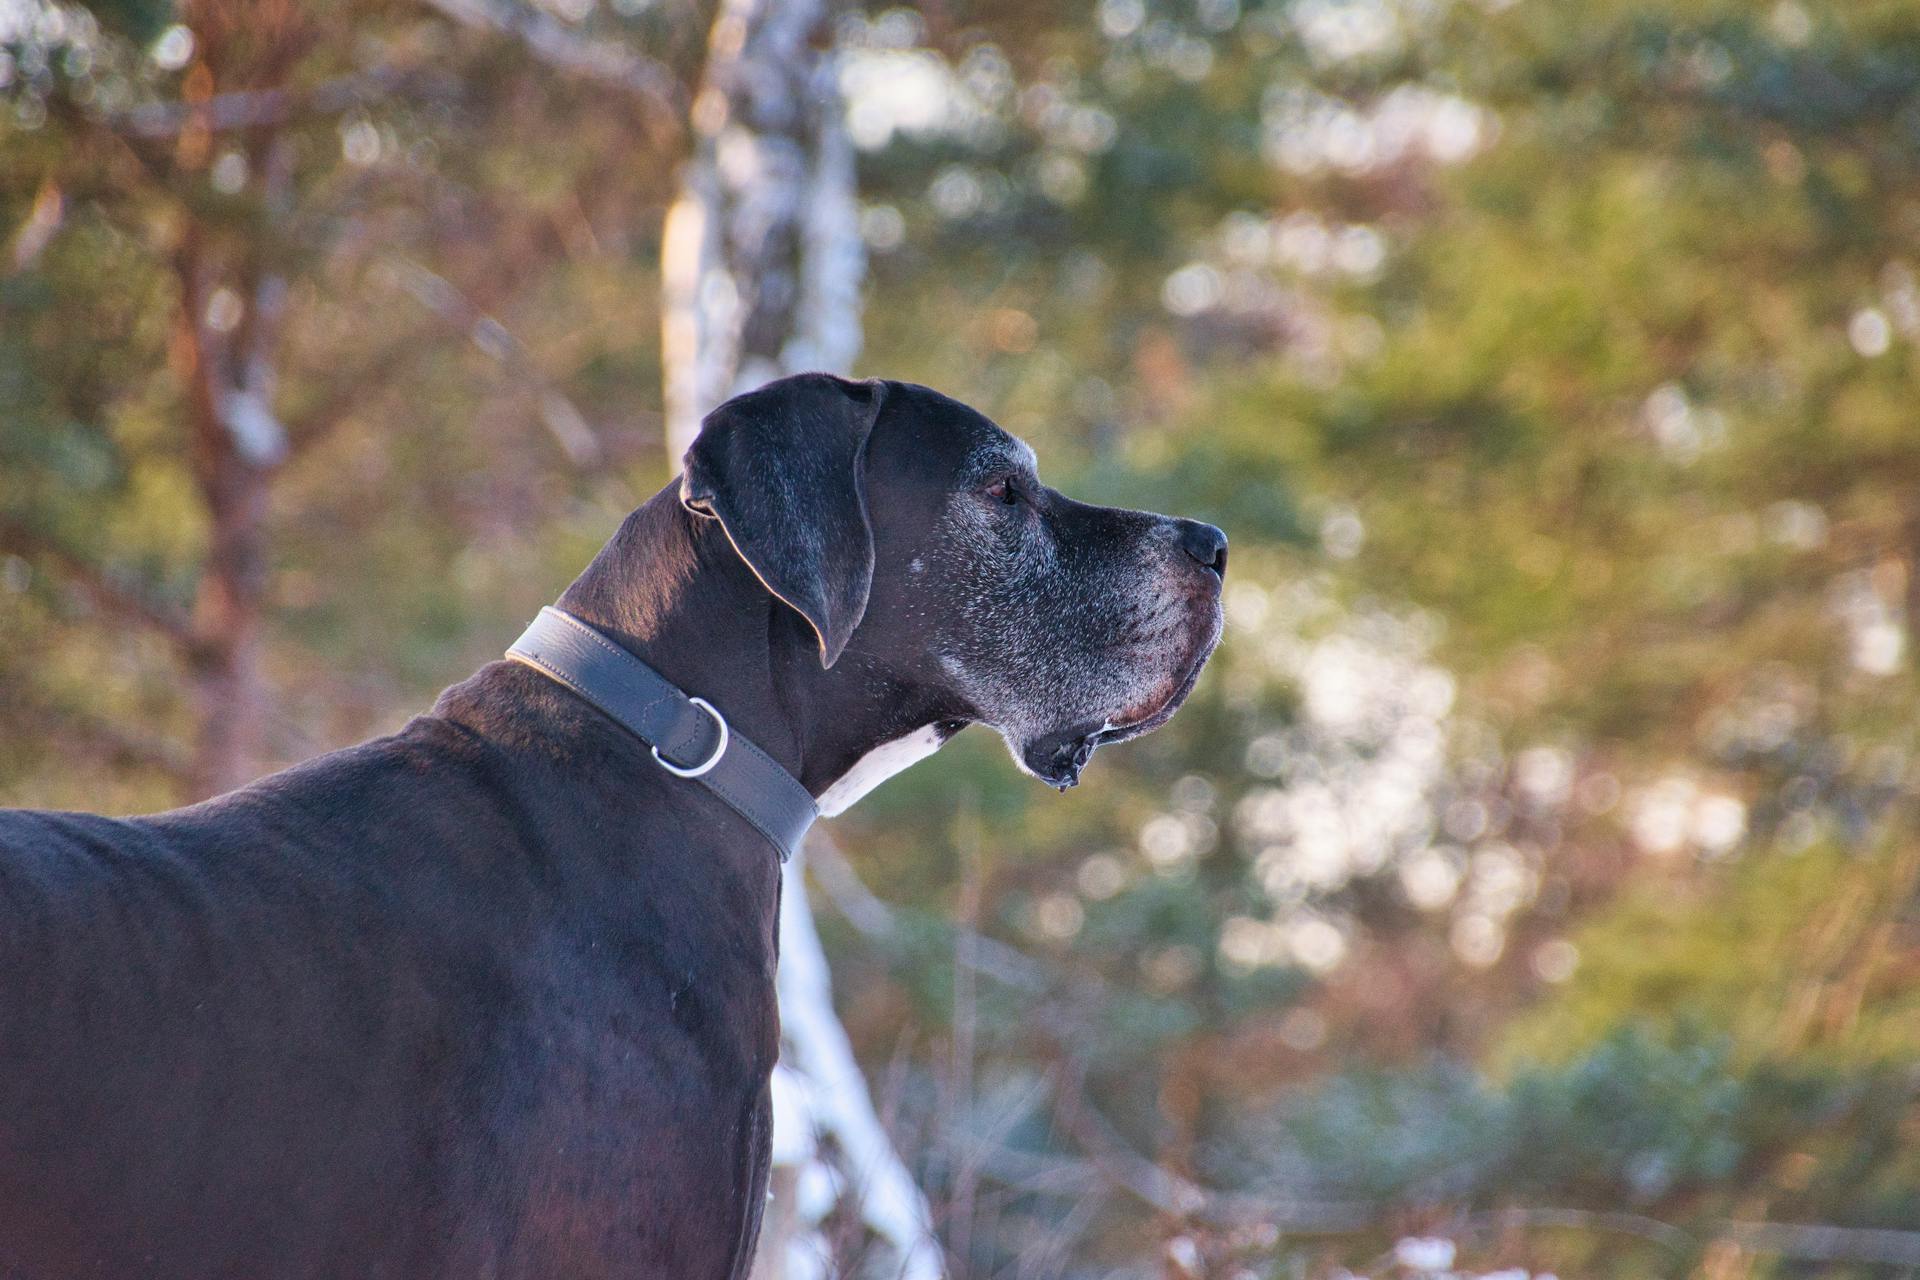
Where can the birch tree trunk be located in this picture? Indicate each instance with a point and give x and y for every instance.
(761, 256)
(761, 272)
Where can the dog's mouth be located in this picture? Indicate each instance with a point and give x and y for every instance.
(1057, 758)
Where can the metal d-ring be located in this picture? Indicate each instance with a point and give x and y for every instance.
(719, 749)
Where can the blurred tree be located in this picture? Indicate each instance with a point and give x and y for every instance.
(1471, 281)
(761, 256)
(761, 268)
(229, 175)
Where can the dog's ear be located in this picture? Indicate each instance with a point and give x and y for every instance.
(782, 469)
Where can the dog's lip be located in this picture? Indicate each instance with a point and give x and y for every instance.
(1077, 745)
(1056, 758)
(1111, 732)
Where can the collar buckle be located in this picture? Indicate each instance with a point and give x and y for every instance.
(719, 748)
(631, 694)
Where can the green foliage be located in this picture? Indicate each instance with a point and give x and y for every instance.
(1629, 1122)
(138, 20)
(1791, 953)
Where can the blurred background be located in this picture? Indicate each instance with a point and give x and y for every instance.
(1531, 886)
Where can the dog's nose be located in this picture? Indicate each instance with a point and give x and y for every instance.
(1205, 544)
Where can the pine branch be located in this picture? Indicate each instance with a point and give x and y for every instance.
(107, 592)
(76, 733)
(1802, 1241)
(317, 425)
(1112, 1163)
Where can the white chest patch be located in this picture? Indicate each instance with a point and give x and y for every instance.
(877, 766)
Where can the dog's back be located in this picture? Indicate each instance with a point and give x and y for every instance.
(381, 1015)
(204, 1027)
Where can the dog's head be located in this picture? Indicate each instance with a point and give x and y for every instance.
(913, 534)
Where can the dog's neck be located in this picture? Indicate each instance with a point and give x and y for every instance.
(671, 588)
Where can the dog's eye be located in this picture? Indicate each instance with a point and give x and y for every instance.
(1004, 492)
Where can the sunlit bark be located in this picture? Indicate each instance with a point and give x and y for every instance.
(761, 271)
(761, 258)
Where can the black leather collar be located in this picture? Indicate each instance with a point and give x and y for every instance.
(689, 736)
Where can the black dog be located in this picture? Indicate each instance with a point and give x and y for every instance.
(494, 996)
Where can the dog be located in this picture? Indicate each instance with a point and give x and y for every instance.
(494, 996)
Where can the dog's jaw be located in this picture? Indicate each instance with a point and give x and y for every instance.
(1057, 757)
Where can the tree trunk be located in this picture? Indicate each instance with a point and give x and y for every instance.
(229, 695)
(761, 272)
(237, 446)
(761, 256)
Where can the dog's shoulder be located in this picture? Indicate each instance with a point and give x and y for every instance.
(47, 856)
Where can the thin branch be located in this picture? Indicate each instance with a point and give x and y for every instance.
(1179, 1197)
(879, 922)
(558, 413)
(309, 431)
(106, 591)
(42, 223)
(1815, 1242)
(398, 356)
(1057, 1175)
(1807, 1242)
(1031, 1173)
(1664, 1234)
(1061, 1176)
(458, 311)
(256, 108)
(606, 62)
